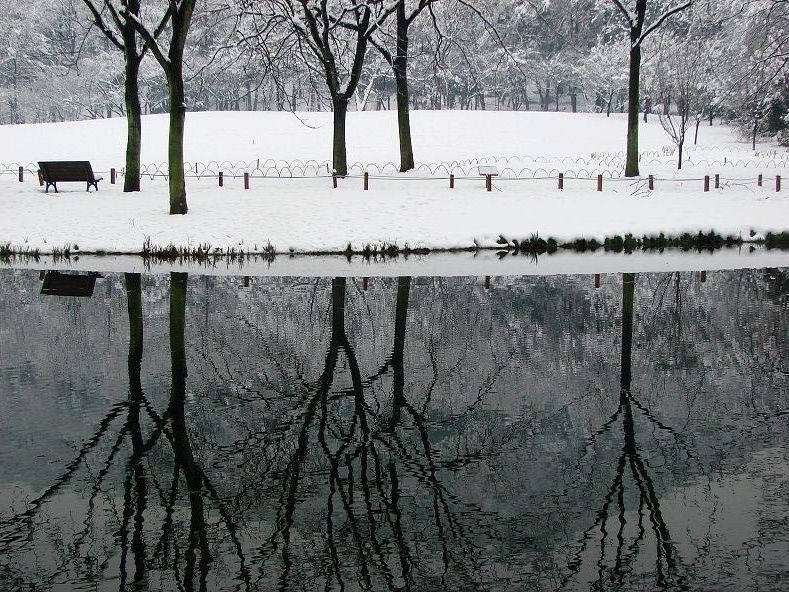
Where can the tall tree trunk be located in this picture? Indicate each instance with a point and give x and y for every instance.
(696, 133)
(633, 87)
(400, 67)
(175, 153)
(339, 151)
(131, 181)
(681, 145)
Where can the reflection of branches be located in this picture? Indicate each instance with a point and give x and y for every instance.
(367, 459)
(667, 561)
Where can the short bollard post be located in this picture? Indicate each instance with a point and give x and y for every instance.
(112, 176)
(599, 182)
(365, 283)
(489, 182)
(561, 180)
(777, 183)
(487, 282)
(246, 281)
(706, 182)
(651, 183)
(703, 276)
(366, 181)
(759, 180)
(596, 280)
(246, 180)
(451, 181)
(21, 174)
(40, 178)
(221, 179)
(334, 181)
(717, 181)
(195, 168)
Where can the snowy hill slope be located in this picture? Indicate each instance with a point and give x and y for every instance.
(439, 136)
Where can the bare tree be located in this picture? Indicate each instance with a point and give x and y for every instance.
(405, 15)
(682, 73)
(179, 17)
(333, 38)
(123, 35)
(635, 14)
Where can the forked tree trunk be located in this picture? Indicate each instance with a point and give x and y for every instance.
(400, 67)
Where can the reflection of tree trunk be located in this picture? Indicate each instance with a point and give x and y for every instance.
(398, 371)
(628, 291)
(134, 304)
(182, 447)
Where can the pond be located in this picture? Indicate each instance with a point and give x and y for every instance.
(190, 432)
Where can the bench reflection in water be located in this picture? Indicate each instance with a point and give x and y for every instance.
(73, 285)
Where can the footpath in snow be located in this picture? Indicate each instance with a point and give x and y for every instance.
(306, 214)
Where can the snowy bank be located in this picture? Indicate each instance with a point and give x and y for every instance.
(305, 215)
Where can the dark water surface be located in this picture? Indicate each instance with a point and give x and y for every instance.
(189, 432)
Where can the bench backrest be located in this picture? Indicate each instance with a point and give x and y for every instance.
(67, 170)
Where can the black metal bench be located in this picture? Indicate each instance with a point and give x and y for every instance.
(67, 171)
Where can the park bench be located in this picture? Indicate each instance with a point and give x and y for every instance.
(67, 171)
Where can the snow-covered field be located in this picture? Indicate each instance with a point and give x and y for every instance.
(416, 210)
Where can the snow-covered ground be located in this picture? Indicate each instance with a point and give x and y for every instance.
(305, 214)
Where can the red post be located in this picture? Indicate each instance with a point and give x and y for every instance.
(334, 181)
(40, 178)
(777, 182)
(596, 280)
(487, 282)
(366, 181)
(451, 181)
(112, 176)
(717, 181)
(599, 182)
(246, 180)
(365, 283)
(759, 180)
(651, 183)
(21, 174)
(561, 180)
(489, 182)
(221, 179)
(706, 182)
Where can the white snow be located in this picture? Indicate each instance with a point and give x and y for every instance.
(307, 215)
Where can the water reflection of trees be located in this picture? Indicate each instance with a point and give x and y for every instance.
(358, 468)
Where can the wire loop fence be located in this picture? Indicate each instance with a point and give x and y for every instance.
(609, 165)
